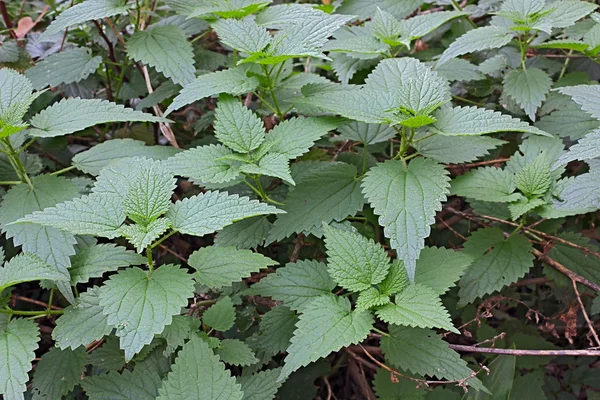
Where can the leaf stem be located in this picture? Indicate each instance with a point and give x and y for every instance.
(272, 92)
(30, 313)
(380, 331)
(150, 262)
(168, 235)
(60, 171)
(565, 65)
(15, 161)
(457, 7)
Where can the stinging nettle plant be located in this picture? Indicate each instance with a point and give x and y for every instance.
(247, 199)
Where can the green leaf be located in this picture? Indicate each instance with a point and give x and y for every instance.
(366, 133)
(326, 194)
(236, 126)
(242, 35)
(198, 374)
(245, 234)
(139, 385)
(385, 25)
(296, 284)
(141, 236)
(140, 306)
(417, 306)
(94, 261)
(27, 267)
(179, 331)
(534, 179)
(293, 137)
(564, 13)
(566, 44)
(260, 386)
(212, 211)
(487, 37)
(221, 315)
(15, 99)
(235, 352)
(73, 115)
(395, 281)
(228, 8)
(587, 96)
(93, 160)
(276, 328)
(83, 12)
(233, 81)
(273, 164)
(523, 206)
(458, 69)
(455, 149)
(353, 261)
(499, 381)
(440, 268)
(220, 266)
(420, 25)
(18, 342)
(326, 325)
(109, 357)
(166, 49)
(65, 67)
(528, 88)
(58, 372)
(587, 148)
(576, 260)
(423, 352)
(468, 121)
(205, 164)
(486, 184)
(82, 322)
(406, 200)
(370, 298)
(509, 260)
(366, 9)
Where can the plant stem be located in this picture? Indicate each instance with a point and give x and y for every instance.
(10, 182)
(31, 313)
(272, 92)
(380, 331)
(263, 194)
(565, 65)
(60, 171)
(168, 235)
(150, 262)
(457, 7)
(15, 161)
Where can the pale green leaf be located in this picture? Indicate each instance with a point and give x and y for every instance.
(15, 99)
(587, 148)
(296, 284)
(94, 261)
(406, 200)
(564, 13)
(27, 267)
(198, 374)
(420, 25)
(139, 385)
(212, 211)
(576, 195)
(242, 35)
(73, 115)
(522, 206)
(236, 126)
(219, 266)
(58, 372)
(273, 164)
(18, 342)
(82, 322)
(140, 306)
(468, 121)
(141, 236)
(83, 12)
(93, 160)
(396, 279)
(179, 331)
(166, 49)
(509, 260)
(233, 81)
(326, 194)
(109, 357)
(366, 133)
(370, 298)
(563, 44)
(486, 184)
(487, 37)
(205, 164)
(276, 328)
(326, 325)
(456, 149)
(458, 69)
(353, 261)
(228, 8)
(235, 352)
(220, 316)
(587, 96)
(245, 234)
(534, 179)
(366, 9)
(499, 381)
(385, 25)
(260, 386)
(68, 66)
(417, 306)
(528, 88)
(293, 137)
(440, 268)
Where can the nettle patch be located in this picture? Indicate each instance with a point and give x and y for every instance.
(350, 199)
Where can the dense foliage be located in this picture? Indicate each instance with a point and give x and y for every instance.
(242, 199)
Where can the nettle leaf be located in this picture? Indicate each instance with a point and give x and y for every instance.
(370, 298)
(440, 268)
(217, 266)
(523, 206)
(27, 267)
(509, 260)
(326, 324)
(353, 261)
(82, 323)
(83, 12)
(366, 133)
(528, 88)
(326, 194)
(205, 164)
(423, 352)
(487, 37)
(276, 328)
(236, 126)
(420, 25)
(233, 81)
(406, 200)
(15, 99)
(467, 121)
(587, 96)
(93, 160)
(57, 372)
(228, 8)
(587, 148)
(73, 115)
(275, 165)
(212, 211)
(139, 384)
(243, 35)
(198, 374)
(235, 352)
(221, 315)
(455, 149)
(295, 136)
(535, 177)
(94, 261)
(18, 342)
(179, 331)
(576, 195)
(140, 306)
(296, 284)
(486, 184)
(260, 386)
(141, 236)
(68, 66)
(417, 306)
(564, 13)
(165, 48)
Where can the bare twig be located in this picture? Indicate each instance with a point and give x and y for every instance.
(585, 315)
(561, 268)
(7, 21)
(514, 352)
(36, 302)
(478, 164)
(297, 248)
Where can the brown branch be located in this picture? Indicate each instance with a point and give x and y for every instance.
(7, 20)
(36, 302)
(561, 268)
(297, 248)
(585, 315)
(513, 352)
(478, 164)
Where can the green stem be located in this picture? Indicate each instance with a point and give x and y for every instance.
(364, 160)
(457, 7)
(521, 225)
(565, 65)
(264, 194)
(30, 313)
(380, 331)
(10, 182)
(60, 171)
(50, 300)
(272, 92)
(121, 77)
(26, 145)
(266, 103)
(467, 101)
(150, 262)
(523, 47)
(15, 161)
(168, 235)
